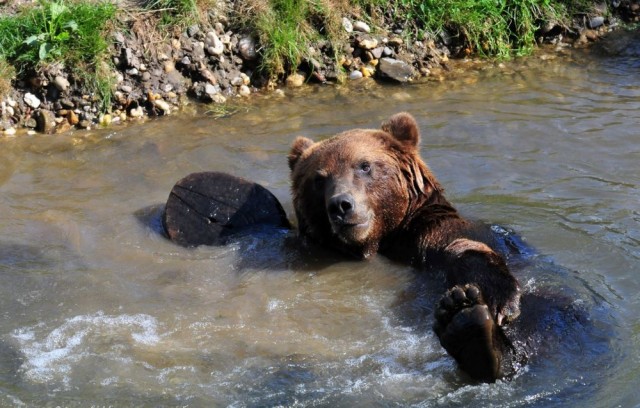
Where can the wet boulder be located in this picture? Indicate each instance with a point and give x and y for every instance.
(208, 208)
(395, 70)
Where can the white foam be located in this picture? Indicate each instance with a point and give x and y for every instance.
(51, 355)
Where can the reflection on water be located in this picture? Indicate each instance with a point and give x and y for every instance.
(97, 308)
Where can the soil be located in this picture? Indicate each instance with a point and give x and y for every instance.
(156, 76)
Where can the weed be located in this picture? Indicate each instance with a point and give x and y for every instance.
(59, 33)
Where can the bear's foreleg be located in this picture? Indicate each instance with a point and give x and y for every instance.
(483, 296)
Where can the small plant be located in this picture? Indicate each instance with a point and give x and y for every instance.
(67, 34)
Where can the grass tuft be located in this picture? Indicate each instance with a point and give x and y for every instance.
(62, 33)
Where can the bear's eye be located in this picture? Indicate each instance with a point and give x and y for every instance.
(365, 167)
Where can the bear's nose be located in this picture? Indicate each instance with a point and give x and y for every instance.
(340, 206)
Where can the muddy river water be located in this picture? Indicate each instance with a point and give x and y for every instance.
(98, 309)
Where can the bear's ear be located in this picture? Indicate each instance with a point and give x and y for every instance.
(300, 144)
(404, 128)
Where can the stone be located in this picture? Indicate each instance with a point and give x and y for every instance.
(31, 100)
(209, 208)
(244, 91)
(193, 30)
(295, 80)
(126, 88)
(72, 118)
(245, 78)
(137, 112)
(346, 24)
(395, 70)
(45, 121)
(213, 44)
(367, 43)
(387, 52)
(84, 124)
(361, 26)
(210, 89)
(237, 81)
(247, 48)
(11, 131)
(61, 83)
(355, 75)
(377, 52)
(219, 99)
(162, 105)
(596, 22)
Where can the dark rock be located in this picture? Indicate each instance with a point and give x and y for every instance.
(208, 208)
(45, 121)
(395, 70)
(67, 103)
(193, 30)
(247, 48)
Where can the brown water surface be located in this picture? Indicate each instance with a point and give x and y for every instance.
(97, 308)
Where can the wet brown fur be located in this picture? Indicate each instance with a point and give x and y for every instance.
(389, 184)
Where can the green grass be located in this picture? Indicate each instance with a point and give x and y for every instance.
(494, 28)
(70, 34)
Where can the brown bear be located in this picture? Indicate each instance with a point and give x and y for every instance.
(367, 191)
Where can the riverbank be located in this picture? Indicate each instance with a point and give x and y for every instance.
(155, 59)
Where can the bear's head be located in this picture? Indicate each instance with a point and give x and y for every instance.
(357, 188)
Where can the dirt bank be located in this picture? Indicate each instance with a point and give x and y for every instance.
(156, 68)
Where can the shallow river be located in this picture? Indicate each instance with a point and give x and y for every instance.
(98, 309)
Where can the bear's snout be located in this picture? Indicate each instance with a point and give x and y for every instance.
(340, 208)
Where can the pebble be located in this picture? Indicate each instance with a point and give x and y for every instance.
(136, 112)
(31, 100)
(237, 81)
(361, 26)
(244, 91)
(368, 43)
(377, 52)
(247, 48)
(213, 44)
(387, 52)
(295, 80)
(596, 22)
(61, 83)
(245, 78)
(355, 75)
(72, 118)
(217, 98)
(210, 89)
(346, 24)
(10, 131)
(45, 120)
(162, 105)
